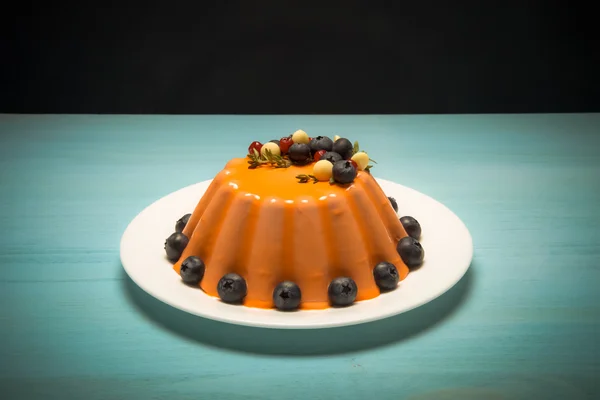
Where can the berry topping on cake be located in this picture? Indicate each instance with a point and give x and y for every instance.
(286, 296)
(254, 146)
(386, 276)
(299, 153)
(272, 147)
(332, 157)
(362, 159)
(343, 172)
(301, 149)
(343, 147)
(393, 203)
(300, 137)
(411, 226)
(320, 143)
(182, 222)
(192, 270)
(317, 156)
(285, 143)
(342, 291)
(411, 251)
(232, 288)
(323, 170)
(174, 245)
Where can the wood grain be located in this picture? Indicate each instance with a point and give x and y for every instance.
(524, 323)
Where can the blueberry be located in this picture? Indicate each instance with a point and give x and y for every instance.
(343, 171)
(344, 148)
(386, 275)
(332, 157)
(275, 141)
(232, 288)
(411, 251)
(299, 153)
(393, 203)
(411, 226)
(286, 296)
(192, 270)
(342, 291)
(175, 244)
(320, 143)
(182, 222)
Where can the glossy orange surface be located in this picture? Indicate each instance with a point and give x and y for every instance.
(266, 226)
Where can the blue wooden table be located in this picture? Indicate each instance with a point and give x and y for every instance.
(524, 322)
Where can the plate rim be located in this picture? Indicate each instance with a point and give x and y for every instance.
(468, 249)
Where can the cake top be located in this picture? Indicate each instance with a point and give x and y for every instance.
(284, 182)
(292, 163)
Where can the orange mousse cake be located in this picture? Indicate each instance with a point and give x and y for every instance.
(299, 223)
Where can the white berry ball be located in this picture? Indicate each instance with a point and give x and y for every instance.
(361, 159)
(336, 137)
(273, 147)
(300, 137)
(323, 170)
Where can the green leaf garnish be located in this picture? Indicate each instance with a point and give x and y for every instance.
(303, 178)
(275, 161)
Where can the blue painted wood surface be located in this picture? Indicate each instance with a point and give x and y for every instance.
(524, 323)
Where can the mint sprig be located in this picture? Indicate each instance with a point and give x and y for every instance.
(303, 178)
(268, 157)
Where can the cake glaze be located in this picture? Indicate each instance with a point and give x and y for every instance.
(265, 226)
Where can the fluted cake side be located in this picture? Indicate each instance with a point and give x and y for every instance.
(266, 227)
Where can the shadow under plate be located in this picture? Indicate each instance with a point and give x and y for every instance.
(300, 341)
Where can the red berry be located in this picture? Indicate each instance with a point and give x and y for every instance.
(354, 164)
(285, 143)
(319, 154)
(254, 146)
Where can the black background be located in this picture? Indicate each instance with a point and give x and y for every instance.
(289, 57)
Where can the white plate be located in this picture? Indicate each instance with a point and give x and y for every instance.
(448, 253)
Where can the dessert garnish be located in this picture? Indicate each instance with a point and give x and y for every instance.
(343, 147)
(175, 244)
(301, 149)
(361, 158)
(342, 291)
(343, 172)
(411, 251)
(267, 157)
(232, 288)
(299, 153)
(386, 276)
(303, 178)
(287, 296)
(394, 203)
(411, 226)
(182, 222)
(192, 270)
